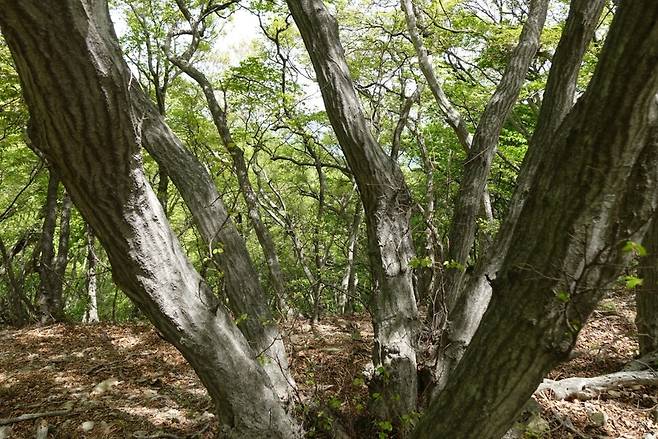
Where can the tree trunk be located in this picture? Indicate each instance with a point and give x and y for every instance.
(279, 213)
(387, 204)
(91, 314)
(348, 284)
(46, 261)
(647, 294)
(246, 189)
(225, 245)
(317, 232)
(567, 247)
(480, 155)
(62, 259)
(18, 315)
(466, 314)
(163, 190)
(69, 63)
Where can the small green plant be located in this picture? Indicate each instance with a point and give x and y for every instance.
(384, 428)
(635, 248)
(420, 262)
(562, 296)
(334, 403)
(241, 318)
(632, 281)
(454, 265)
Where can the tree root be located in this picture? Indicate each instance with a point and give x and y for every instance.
(30, 416)
(589, 388)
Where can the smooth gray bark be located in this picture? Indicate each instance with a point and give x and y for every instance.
(589, 388)
(387, 205)
(567, 247)
(69, 63)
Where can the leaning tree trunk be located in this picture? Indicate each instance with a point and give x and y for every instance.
(387, 205)
(69, 63)
(225, 245)
(478, 164)
(647, 294)
(567, 247)
(246, 189)
(467, 312)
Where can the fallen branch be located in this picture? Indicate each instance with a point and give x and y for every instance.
(30, 416)
(156, 436)
(589, 388)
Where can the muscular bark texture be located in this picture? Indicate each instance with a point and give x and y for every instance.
(387, 204)
(465, 316)
(567, 245)
(78, 90)
(647, 295)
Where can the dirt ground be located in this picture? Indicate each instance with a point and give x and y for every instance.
(123, 381)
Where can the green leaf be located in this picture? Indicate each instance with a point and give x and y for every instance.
(562, 296)
(242, 318)
(634, 247)
(633, 281)
(334, 403)
(385, 426)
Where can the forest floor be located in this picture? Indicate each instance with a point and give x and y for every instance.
(123, 381)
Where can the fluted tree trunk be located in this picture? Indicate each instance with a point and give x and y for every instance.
(567, 245)
(69, 62)
(481, 147)
(387, 205)
(246, 189)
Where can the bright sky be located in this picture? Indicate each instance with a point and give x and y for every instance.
(236, 42)
(238, 37)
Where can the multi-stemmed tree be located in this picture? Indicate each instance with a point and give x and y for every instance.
(587, 188)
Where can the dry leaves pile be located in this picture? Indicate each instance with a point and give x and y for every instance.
(123, 381)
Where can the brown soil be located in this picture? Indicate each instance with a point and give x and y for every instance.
(129, 383)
